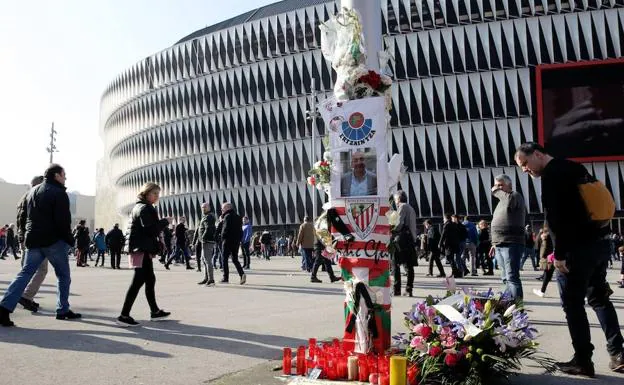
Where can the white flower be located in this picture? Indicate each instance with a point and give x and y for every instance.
(327, 156)
(393, 217)
(509, 311)
(317, 164)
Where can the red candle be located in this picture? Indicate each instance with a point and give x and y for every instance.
(384, 379)
(362, 369)
(287, 361)
(312, 347)
(301, 361)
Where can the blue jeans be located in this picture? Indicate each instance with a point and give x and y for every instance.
(509, 258)
(306, 259)
(587, 274)
(57, 254)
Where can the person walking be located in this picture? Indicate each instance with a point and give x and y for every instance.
(100, 246)
(470, 248)
(246, 242)
(579, 225)
(405, 233)
(432, 237)
(305, 242)
(10, 242)
(27, 300)
(145, 228)
(230, 241)
(319, 261)
(449, 242)
(529, 248)
(507, 231)
(81, 235)
(483, 249)
(545, 246)
(48, 236)
(206, 237)
(266, 241)
(181, 246)
(115, 241)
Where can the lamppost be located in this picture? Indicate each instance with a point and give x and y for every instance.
(52, 147)
(312, 115)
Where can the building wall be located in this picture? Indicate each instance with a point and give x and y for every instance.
(222, 116)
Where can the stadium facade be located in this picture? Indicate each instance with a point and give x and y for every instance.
(221, 115)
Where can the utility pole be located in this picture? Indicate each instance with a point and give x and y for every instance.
(52, 148)
(312, 115)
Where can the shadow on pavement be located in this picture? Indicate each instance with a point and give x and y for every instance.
(560, 379)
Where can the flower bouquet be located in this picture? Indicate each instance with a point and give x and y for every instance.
(469, 339)
(320, 174)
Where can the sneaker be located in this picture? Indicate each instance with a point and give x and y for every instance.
(126, 321)
(539, 293)
(69, 315)
(617, 363)
(202, 282)
(407, 294)
(224, 281)
(243, 279)
(335, 279)
(5, 320)
(160, 315)
(577, 368)
(210, 283)
(28, 304)
(315, 280)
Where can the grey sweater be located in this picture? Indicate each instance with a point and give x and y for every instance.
(508, 219)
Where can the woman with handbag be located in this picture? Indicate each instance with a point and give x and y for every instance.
(143, 246)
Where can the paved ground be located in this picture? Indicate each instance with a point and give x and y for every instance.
(224, 335)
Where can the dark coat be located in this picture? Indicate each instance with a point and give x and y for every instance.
(433, 239)
(48, 216)
(145, 229)
(115, 238)
(450, 238)
(82, 237)
(207, 228)
(180, 233)
(232, 230)
(22, 216)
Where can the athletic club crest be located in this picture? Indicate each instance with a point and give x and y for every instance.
(357, 130)
(362, 214)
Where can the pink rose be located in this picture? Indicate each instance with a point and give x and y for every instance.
(430, 312)
(418, 343)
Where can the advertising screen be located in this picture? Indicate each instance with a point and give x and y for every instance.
(580, 110)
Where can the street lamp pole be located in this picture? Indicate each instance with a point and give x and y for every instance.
(52, 147)
(313, 115)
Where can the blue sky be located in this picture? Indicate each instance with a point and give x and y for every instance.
(56, 58)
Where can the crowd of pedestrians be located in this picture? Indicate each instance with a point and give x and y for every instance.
(575, 242)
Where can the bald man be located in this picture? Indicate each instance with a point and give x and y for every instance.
(206, 237)
(360, 181)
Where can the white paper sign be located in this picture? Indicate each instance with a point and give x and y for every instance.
(446, 308)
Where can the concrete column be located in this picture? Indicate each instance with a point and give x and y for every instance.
(370, 13)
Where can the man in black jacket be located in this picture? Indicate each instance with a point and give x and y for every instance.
(581, 256)
(449, 243)
(35, 283)
(115, 241)
(48, 235)
(433, 241)
(10, 242)
(206, 238)
(230, 241)
(181, 245)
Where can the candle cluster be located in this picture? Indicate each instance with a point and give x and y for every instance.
(332, 361)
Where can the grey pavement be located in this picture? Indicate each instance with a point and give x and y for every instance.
(225, 335)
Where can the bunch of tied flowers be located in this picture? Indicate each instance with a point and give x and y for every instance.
(320, 174)
(487, 338)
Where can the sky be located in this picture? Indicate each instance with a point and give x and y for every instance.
(56, 59)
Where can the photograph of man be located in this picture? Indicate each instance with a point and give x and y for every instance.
(360, 181)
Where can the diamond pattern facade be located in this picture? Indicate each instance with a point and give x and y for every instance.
(220, 116)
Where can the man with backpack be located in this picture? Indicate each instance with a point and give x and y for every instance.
(578, 209)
